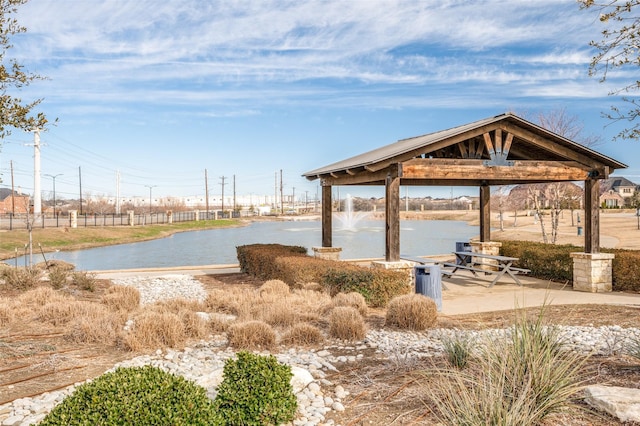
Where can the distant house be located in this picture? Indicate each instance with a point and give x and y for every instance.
(13, 202)
(615, 191)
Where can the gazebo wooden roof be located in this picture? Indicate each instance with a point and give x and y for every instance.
(501, 150)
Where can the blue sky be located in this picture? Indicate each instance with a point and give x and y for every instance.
(159, 91)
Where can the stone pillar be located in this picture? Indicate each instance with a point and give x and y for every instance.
(487, 247)
(73, 215)
(400, 265)
(132, 217)
(328, 253)
(169, 216)
(197, 215)
(593, 272)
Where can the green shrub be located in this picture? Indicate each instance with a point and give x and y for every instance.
(554, 262)
(84, 280)
(256, 390)
(378, 286)
(58, 277)
(292, 265)
(135, 396)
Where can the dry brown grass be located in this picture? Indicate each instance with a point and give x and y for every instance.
(178, 305)
(251, 335)
(302, 334)
(277, 313)
(274, 287)
(120, 297)
(220, 323)
(40, 296)
(195, 326)
(155, 330)
(353, 299)
(313, 287)
(346, 323)
(412, 312)
(59, 313)
(97, 325)
(231, 301)
(7, 311)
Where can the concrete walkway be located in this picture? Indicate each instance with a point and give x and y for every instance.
(465, 294)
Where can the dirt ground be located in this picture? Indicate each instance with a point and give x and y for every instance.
(382, 391)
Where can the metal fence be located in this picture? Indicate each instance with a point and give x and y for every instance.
(20, 221)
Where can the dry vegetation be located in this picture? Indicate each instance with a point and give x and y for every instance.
(50, 338)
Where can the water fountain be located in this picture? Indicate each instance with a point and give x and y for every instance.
(349, 218)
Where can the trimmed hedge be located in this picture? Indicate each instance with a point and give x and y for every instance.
(289, 264)
(136, 396)
(259, 259)
(554, 262)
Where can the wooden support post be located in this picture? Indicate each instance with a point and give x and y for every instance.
(592, 216)
(326, 217)
(485, 213)
(392, 218)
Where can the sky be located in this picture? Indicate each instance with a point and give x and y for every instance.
(157, 92)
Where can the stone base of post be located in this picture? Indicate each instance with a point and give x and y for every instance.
(487, 247)
(401, 266)
(593, 272)
(328, 253)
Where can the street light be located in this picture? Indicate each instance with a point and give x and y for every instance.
(150, 187)
(54, 191)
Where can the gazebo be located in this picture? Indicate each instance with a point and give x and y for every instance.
(501, 150)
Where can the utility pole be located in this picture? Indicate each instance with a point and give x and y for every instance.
(117, 191)
(234, 193)
(222, 178)
(37, 193)
(206, 192)
(80, 180)
(281, 197)
(150, 187)
(13, 191)
(54, 191)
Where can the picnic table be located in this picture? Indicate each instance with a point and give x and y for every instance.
(486, 264)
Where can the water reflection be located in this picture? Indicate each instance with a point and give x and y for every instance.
(218, 246)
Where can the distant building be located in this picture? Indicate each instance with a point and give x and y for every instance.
(615, 191)
(13, 202)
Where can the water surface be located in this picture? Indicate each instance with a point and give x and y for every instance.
(218, 246)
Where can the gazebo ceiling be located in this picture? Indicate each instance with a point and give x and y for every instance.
(504, 149)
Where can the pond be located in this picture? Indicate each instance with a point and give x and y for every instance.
(218, 246)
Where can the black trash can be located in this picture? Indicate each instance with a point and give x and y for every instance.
(462, 246)
(429, 282)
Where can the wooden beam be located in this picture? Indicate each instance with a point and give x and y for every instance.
(507, 144)
(361, 178)
(392, 219)
(498, 141)
(326, 216)
(521, 171)
(434, 146)
(485, 213)
(489, 145)
(551, 146)
(592, 216)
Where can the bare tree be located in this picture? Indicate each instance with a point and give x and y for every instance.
(618, 51)
(568, 126)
